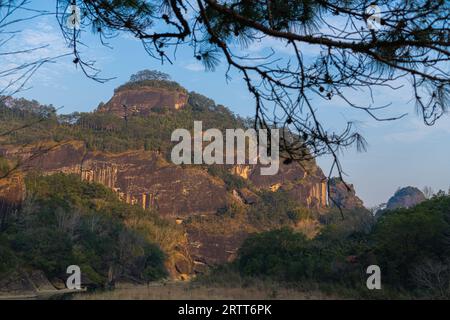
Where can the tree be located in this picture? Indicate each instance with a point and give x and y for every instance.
(428, 192)
(440, 193)
(433, 276)
(404, 238)
(407, 48)
(349, 54)
(149, 75)
(15, 74)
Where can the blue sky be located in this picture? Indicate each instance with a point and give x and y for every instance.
(400, 153)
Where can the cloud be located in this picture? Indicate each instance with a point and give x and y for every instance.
(41, 41)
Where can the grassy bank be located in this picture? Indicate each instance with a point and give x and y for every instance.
(198, 291)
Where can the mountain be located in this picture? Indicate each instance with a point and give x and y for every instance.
(125, 146)
(344, 195)
(143, 97)
(406, 197)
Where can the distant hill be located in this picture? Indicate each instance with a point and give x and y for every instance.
(405, 198)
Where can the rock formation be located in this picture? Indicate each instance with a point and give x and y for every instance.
(405, 198)
(142, 100)
(344, 195)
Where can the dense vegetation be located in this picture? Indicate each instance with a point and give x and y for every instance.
(167, 84)
(411, 246)
(65, 221)
(272, 210)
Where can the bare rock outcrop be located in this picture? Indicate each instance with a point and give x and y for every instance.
(142, 100)
(343, 195)
(405, 198)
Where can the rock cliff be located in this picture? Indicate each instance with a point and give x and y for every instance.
(405, 198)
(344, 196)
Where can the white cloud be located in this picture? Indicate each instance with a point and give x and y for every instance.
(45, 35)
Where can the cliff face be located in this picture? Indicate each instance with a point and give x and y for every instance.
(305, 186)
(179, 193)
(146, 179)
(344, 197)
(140, 177)
(141, 101)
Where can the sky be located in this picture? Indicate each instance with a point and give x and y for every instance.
(400, 153)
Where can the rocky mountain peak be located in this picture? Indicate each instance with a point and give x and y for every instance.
(405, 198)
(146, 92)
(344, 195)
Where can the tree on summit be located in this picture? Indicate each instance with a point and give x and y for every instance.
(149, 75)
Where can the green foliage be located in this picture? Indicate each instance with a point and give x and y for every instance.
(4, 166)
(46, 249)
(272, 254)
(34, 119)
(275, 209)
(107, 132)
(8, 259)
(299, 213)
(349, 221)
(212, 115)
(285, 255)
(144, 75)
(166, 84)
(409, 245)
(66, 221)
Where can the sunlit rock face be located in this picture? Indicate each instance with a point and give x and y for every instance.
(12, 192)
(306, 185)
(143, 100)
(242, 171)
